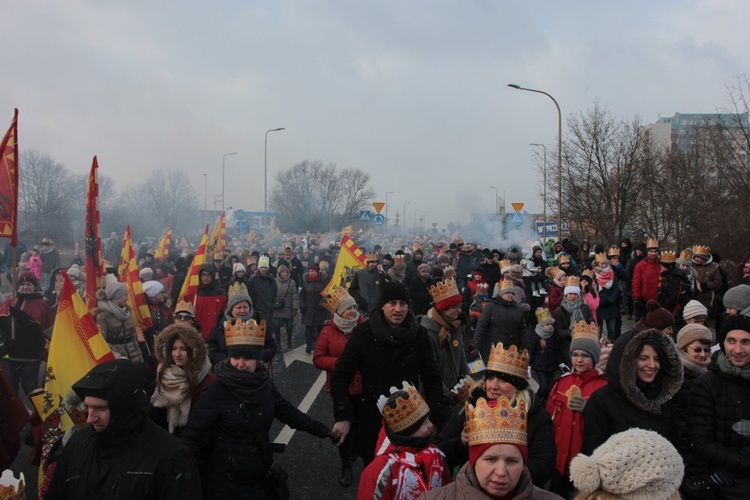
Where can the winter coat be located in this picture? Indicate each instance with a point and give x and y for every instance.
(491, 273)
(419, 293)
(35, 265)
(119, 333)
(296, 268)
(646, 279)
(674, 291)
(501, 321)
(622, 404)
(365, 289)
(564, 327)
(286, 290)
(263, 292)
(30, 340)
(450, 356)
(680, 413)
(554, 297)
(545, 359)
(609, 302)
(328, 350)
(466, 487)
(50, 258)
(311, 302)
(210, 303)
(235, 465)
(540, 438)
(709, 278)
(717, 401)
(569, 425)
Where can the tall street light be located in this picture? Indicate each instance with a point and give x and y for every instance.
(414, 225)
(497, 200)
(544, 197)
(559, 154)
(405, 203)
(386, 210)
(205, 200)
(265, 176)
(223, 160)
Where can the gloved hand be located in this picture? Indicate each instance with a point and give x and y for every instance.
(576, 403)
(640, 305)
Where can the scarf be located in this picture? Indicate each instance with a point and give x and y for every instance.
(604, 277)
(120, 313)
(727, 367)
(445, 325)
(174, 394)
(383, 332)
(395, 277)
(543, 334)
(248, 387)
(574, 308)
(693, 365)
(345, 325)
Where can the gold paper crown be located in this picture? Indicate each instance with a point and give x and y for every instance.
(237, 289)
(407, 412)
(332, 300)
(449, 273)
(507, 285)
(590, 274)
(399, 259)
(583, 330)
(505, 265)
(542, 315)
(462, 389)
(553, 272)
(218, 256)
(701, 250)
(443, 290)
(459, 241)
(614, 251)
(371, 257)
(652, 243)
(415, 247)
(501, 424)
(245, 333)
(563, 259)
(573, 281)
(686, 256)
(483, 288)
(509, 360)
(601, 257)
(183, 306)
(668, 257)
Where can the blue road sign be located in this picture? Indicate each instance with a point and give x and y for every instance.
(241, 225)
(364, 215)
(516, 219)
(378, 219)
(239, 214)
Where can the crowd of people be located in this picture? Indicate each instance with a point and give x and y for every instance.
(455, 371)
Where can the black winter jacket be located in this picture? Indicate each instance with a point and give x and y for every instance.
(501, 321)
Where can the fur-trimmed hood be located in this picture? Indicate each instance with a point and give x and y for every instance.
(192, 339)
(621, 373)
(228, 259)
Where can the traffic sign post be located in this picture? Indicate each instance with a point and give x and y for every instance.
(378, 219)
(241, 226)
(378, 206)
(364, 215)
(516, 219)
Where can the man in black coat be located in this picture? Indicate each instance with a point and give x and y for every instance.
(122, 453)
(389, 348)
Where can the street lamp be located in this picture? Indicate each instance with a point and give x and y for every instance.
(544, 197)
(559, 154)
(405, 203)
(265, 176)
(414, 225)
(386, 210)
(223, 159)
(205, 200)
(497, 199)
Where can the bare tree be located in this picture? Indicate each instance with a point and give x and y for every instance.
(356, 192)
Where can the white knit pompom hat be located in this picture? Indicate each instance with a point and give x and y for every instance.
(635, 465)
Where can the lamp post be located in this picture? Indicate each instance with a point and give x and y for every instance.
(559, 154)
(386, 210)
(414, 225)
(497, 202)
(223, 160)
(405, 203)
(544, 196)
(265, 176)
(205, 200)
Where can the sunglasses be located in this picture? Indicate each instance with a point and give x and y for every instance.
(697, 350)
(183, 316)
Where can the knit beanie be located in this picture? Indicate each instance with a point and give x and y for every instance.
(734, 322)
(392, 290)
(29, 276)
(236, 299)
(424, 267)
(516, 271)
(588, 344)
(237, 268)
(146, 273)
(345, 304)
(737, 297)
(693, 309)
(657, 317)
(635, 464)
(692, 332)
(152, 288)
(114, 291)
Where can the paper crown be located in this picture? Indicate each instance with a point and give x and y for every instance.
(543, 316)
(668, 257)
(449, 273)
(237, 289)
(573, 281)
(399, 259)
(332, 300)
(483, 288)
(458, 241)
(218, 256)
(686, 257)
(264, 261)
(506, 285)
(701, 251)
(185, 307)
(371, 257)
(245, 333)
(509, 360)
(415, 247)
(444, 290)
(589, 274)
(583, 330)
(601, 257)
(563, 259)
(12, 488)
(501, 424)
(553, 272)
(613, 251)
(505, 266)
(652, 243)
(407, 410)
(462, 389)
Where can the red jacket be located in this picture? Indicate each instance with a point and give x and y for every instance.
(568, 424)
(207, 311)
(646, 279)
(328, 349)
(555, 297)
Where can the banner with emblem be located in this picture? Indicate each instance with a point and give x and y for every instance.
(192, 280)
(350, 260)
(9, 183)
(95, 270)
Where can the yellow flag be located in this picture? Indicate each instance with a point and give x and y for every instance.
(349, 261)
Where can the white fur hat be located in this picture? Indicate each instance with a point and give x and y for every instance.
(635, 464)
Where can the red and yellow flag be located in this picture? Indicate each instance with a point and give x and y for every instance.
(77, 346)
(217, 242)
(9, 183)
(136, 297)
(95, 270)
(349, 261)
(126, 254)
(192, 280)
(162, 251)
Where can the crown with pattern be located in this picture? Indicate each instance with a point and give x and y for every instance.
(443, 290)
(483, 288)
(614, 251)
(237, 289)
(563, 259)
(333, 299)
(408, 408)
(543, 316)
(509, 360)
(245, 333)
(506, 285)
(581, 329)
(462, 389)
(701, 251)
(449, 273)
(668, 257)
(601, 257)
(371, 257)
(502, 423)
(12, 488)
(505, 265)
(652, 243)
(589, 274)
(573, 281)
(399, 259)
(185, 307)
(686, 257)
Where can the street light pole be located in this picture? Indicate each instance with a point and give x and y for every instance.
(205, 200)
(544, 196)
(414, 225)
(497, 200)
(223, 160)
(559, 154)
(386, 210)
(405, 203)
(265, 176)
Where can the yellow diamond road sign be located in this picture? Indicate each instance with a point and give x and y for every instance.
(517, 206)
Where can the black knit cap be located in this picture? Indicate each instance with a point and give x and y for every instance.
(393, 290)
(734, 322)
(517, 382)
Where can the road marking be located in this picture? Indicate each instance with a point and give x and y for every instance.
(297, 354)
(287, 432)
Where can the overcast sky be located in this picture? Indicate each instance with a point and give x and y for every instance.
(413, 92)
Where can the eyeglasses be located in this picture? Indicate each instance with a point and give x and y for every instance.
(182, 317)
(697, 350)
(581, 355)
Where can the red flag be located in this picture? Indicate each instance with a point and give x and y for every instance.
(9, 183)
(192, 280)
(141, 313)
(94, 259)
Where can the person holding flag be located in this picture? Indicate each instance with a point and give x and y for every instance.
(115, 320)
